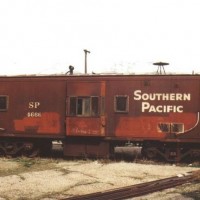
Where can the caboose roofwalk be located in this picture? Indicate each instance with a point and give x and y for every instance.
(91, 77)
(98, 75)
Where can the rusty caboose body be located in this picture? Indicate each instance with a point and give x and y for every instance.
(94, 114)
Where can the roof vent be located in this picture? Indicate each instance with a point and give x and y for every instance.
(161, 69)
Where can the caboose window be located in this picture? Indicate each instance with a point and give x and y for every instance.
(3, 103)
(121, 104)
(84, 106)
(164, 127)
(94, 106)
(72, 109)
(177, 128)
(171, 128)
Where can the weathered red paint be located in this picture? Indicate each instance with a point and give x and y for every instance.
(85, 126)
(147, 126)
(48, 97)
(48, 123)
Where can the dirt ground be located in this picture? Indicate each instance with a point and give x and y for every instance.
(52, 179)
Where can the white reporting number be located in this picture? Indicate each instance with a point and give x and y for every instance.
(34, 105)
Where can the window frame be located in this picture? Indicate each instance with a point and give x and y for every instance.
(6, 103)
(126, 106)
(179, 124)
(83, 99)
(170, 127)
(165, 124)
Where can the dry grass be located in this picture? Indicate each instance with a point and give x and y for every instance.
(50, 179)
(23, 164)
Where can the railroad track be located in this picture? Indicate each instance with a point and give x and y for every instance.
(140, 189)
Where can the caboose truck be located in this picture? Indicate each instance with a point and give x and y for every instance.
(92, 114)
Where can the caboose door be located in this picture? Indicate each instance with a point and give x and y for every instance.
(85, 108)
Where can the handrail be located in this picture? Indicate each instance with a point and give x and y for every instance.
(197, 122)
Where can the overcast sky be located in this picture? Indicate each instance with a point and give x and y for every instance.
(46, 36)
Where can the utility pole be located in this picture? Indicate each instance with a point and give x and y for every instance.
(86, 51)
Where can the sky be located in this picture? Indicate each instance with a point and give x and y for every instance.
(123, 36)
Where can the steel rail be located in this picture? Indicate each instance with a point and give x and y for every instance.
(140, 189)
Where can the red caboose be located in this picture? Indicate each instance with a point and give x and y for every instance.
(93, 114)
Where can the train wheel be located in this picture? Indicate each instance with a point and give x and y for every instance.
(31, 153)
(31, 150)
(10, 148)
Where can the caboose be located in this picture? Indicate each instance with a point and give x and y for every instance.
(92, 114)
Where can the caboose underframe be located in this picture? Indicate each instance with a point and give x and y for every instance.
(152, 149)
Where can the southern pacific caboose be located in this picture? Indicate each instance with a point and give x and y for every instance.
(92, 114)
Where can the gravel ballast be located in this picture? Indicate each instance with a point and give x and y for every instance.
(51, 179)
